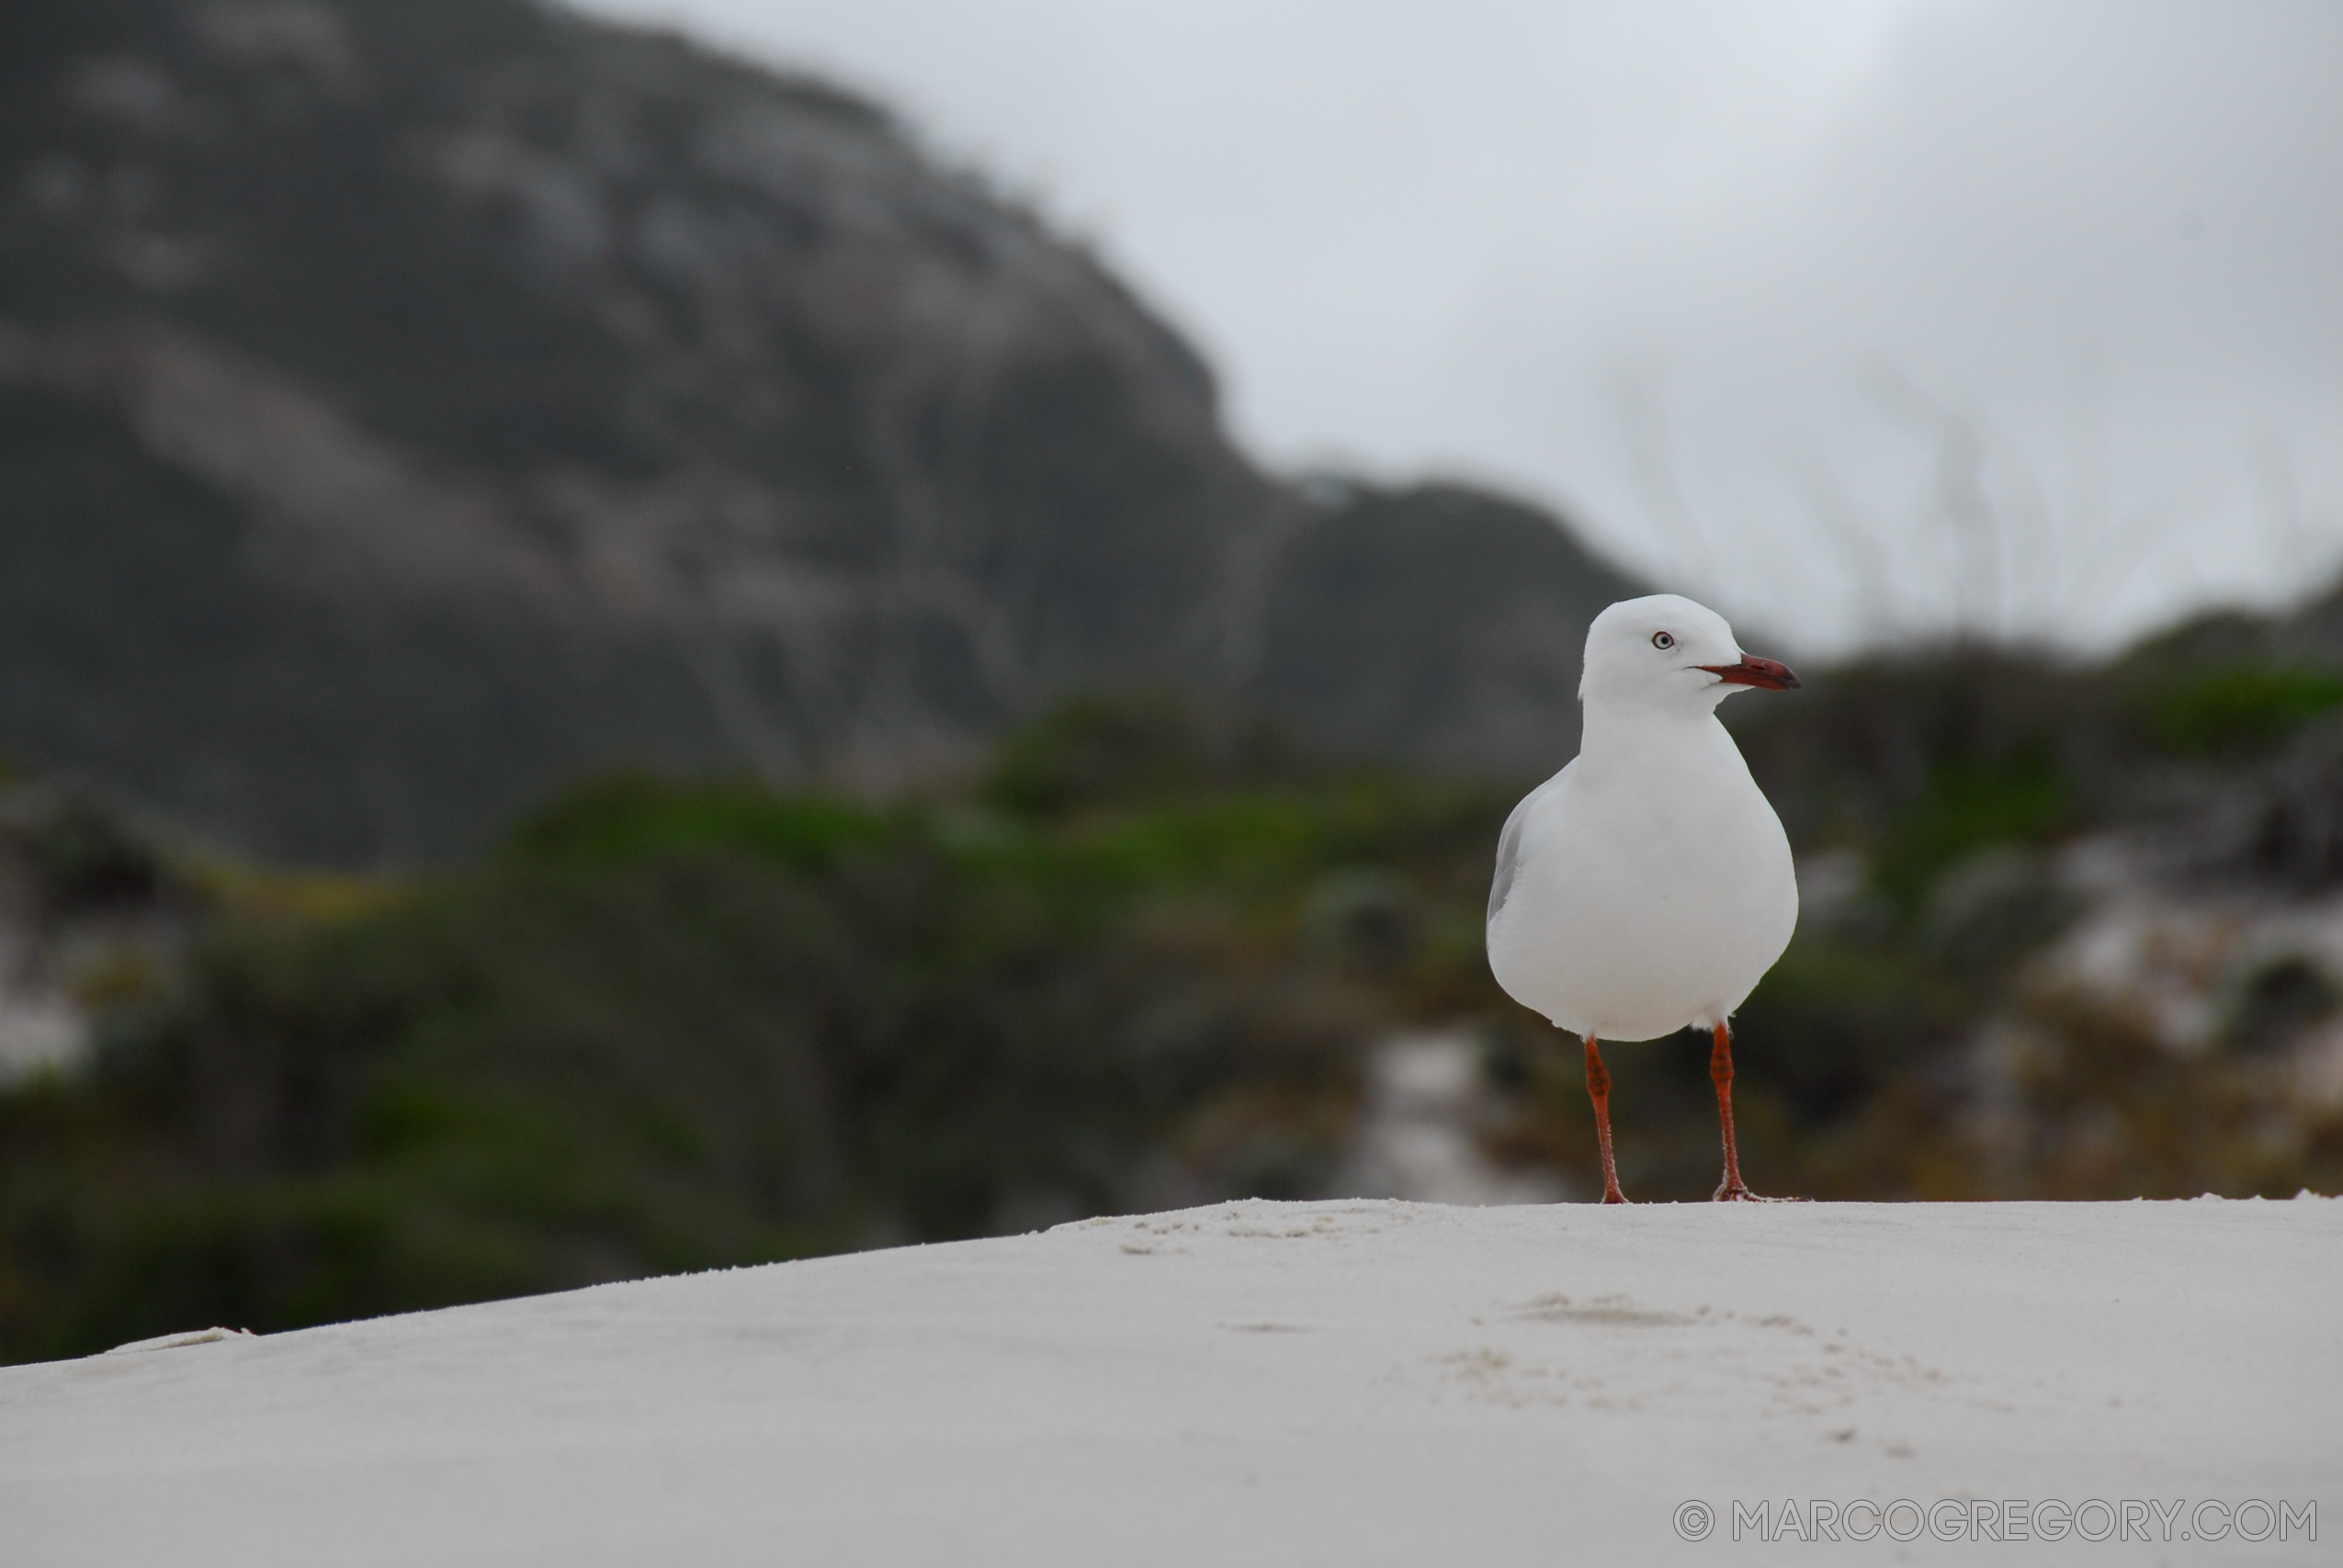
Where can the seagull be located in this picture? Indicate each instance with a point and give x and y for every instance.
(1647, 887)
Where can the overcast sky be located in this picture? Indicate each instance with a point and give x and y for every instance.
(1853, 319)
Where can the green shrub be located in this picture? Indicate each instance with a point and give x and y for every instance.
(2242, 708)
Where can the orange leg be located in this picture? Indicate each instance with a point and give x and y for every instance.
(1599, 1090)
(1720, 1072)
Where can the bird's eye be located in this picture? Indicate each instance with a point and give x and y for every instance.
(1662, 640)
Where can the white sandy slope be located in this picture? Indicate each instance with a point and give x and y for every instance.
(1340, 1382)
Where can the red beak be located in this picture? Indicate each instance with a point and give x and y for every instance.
(1754, 672)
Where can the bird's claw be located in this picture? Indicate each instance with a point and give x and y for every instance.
(1734, 1192)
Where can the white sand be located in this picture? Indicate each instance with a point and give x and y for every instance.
(1343, 1382)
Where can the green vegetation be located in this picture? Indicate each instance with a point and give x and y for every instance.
(2242, 709)
(1964, 809)
(664, 1027)
(668, 1027)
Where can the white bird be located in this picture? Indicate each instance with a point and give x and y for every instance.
(1647, 887)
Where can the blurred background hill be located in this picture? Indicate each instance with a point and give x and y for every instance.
(610, 667)
(409, 406)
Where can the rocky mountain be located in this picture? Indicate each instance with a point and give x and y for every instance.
(406, 405)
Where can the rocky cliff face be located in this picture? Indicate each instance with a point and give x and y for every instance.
(406, 406)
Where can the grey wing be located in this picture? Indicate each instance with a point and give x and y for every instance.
(1508, 842)
(1508, 851)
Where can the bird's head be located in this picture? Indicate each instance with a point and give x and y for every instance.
(1664, 653)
